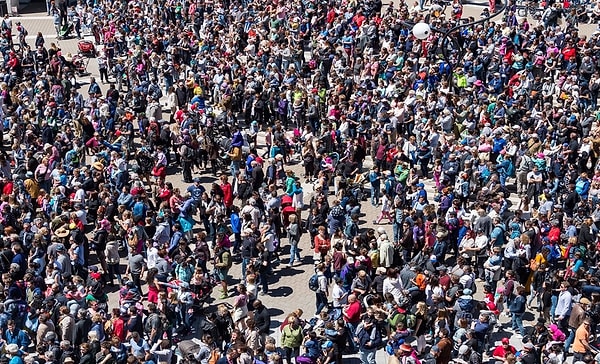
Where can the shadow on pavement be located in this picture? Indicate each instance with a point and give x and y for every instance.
(281, 292)
(274, 312)
(288, 272)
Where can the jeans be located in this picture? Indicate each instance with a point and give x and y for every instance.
(291, 353)
(517, 323)
(554, 300)
(235, 168)
(321, 302)
(245, 262)
(570, 339)
(367, 356)
(578, 357)
(294, 253)
(264, 282)
(397, 231)
(374, 196)
(351, 332)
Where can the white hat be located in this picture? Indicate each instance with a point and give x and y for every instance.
(12, 349)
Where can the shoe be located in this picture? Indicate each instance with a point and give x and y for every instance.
(289, 265)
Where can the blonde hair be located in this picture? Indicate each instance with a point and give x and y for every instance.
(422, 308)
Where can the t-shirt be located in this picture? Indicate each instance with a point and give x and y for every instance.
(500, 351)
(337, 293)
(581, 335)
(353, 313)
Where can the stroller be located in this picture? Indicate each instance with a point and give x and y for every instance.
(287, 209)
(65, 31)
(79, 65)
(86, 48)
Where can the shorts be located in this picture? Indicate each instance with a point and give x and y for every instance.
(222, 274)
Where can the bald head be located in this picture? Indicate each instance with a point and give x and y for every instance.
(352, 298)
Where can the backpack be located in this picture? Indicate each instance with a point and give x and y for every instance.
(313, 283)
(403, 176)
(411, 321)
(458, 187)
(399, 188)
(394, 319)
(189, 152)
(510, 169)
(466, 305)
(580, 186)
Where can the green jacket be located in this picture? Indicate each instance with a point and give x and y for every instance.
(290, 337)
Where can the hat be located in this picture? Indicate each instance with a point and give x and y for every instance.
(380, 230)
(463, 349)
(433, 258)
(420, 185)
(585, 301)
(528, 346)
(12, 349)
(478, 83)
(68, 359)
(93, 269)
(467, 292)
(541, 155)
(406, 347)
(61, 233)
(98, 166)
(505, 340)
(196, 179)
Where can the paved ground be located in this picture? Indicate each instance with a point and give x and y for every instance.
(289, 286)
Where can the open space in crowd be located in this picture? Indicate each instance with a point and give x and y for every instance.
(303, 181)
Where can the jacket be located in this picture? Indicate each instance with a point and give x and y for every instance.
(290, 337)
(578, 314)
(369, 338)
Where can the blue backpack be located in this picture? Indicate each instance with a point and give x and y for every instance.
(580, 186)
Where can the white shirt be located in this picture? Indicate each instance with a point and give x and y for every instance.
(152, 257)
(337, 293)
(79, 195)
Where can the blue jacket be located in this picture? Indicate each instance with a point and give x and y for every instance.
(19, 337)
(236, 223)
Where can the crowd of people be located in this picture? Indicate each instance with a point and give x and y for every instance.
(499, 119)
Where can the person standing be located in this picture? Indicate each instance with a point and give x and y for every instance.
(351, 314)
(563, 306)
(444, 346)
(368, 338)
(222, 264)
(581, 345)
(375, 180)
(323, 291)
(293, 234)
(517, 308)
(578, 315)
(291, 339)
